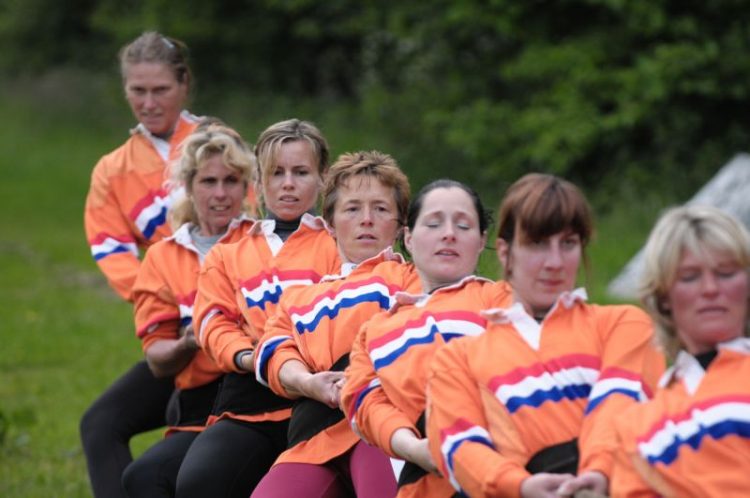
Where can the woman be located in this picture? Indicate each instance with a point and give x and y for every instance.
(238, 288)
(692, 439)
(126, 212)
(384, 391)
(215, 169)
(520, 409)
(306, 345)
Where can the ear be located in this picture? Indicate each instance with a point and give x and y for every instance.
(503, 252)
(407, 240)
(484, 242)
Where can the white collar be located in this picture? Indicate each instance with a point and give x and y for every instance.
(688, 370)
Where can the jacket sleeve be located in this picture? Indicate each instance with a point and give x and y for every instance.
(113, 245)
(276, 347)
(626, 481)
(367, 406)
(630, 370)
(157, 314)
(460, 440)
(218, 323)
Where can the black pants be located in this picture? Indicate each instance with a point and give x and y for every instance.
(154, 474)
(229, 459)
(135, 403)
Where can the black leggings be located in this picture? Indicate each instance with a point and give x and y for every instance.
(154, 474)
(229, 459)
(135, 403)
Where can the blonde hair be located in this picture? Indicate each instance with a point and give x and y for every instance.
(205, 142)
(702, 230)
(372, 164)
(272, 138)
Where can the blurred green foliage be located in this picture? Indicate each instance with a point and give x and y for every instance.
(612, 94)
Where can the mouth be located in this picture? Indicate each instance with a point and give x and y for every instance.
(711, 310)
(220, 209)
(289, 199)
(450, 253)
(366, 237)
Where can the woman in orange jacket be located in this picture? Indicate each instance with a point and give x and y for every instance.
(215, 169)
(238, 289)
(518, 410)
(693, 438)
(125, 213)
(384, 390)
(306, 344)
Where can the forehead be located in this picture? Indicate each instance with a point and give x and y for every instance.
(214, 165)
(364, 188)
(448, 202)
(149, 74)
(705, 256)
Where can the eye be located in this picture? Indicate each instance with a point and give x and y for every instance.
(726, 273)
(571, 242)
(688, 276)
(208, 181)
(232, 180)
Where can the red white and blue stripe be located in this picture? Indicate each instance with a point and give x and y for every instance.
(104, 245)
(350, 295)
(617, 381)
(568, 377)
(715, 419)
(264, 354)
(185, 304)
(150, 212)
(267, 286)
(453, 437)
(424, 330)
(360, 396)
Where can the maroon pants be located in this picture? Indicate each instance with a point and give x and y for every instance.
(364, 472)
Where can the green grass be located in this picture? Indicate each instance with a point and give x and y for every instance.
(64, 334)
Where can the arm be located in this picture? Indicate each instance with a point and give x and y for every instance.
(168, 357)
(113, 245)
(365, 403)
(460, 440)
(168, 347)
(626, 481)
(630, 371)
(218, 321)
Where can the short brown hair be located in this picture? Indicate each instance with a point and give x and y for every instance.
(372, 164)
(155, 47)
(540, 206)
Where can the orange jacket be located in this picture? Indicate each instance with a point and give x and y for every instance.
(127, 203)
(316, 325)
(386, 380)
(693, 438)
(164, 292)
(497, 399)
(240, 285)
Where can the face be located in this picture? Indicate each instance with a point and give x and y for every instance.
(540, 271)
(708, 300)
(445, 242)
(155, 96)
(365, 218)
(217, 192)
(293, 183)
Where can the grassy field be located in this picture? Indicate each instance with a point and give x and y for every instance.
(65, 336)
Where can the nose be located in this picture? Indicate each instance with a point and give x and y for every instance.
(149, 101)
(221, 190)
(449, 232)
(709, 285)
(554, 256)
(367, 216)
(288, 180)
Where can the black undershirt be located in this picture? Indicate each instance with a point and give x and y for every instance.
(706, 358)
